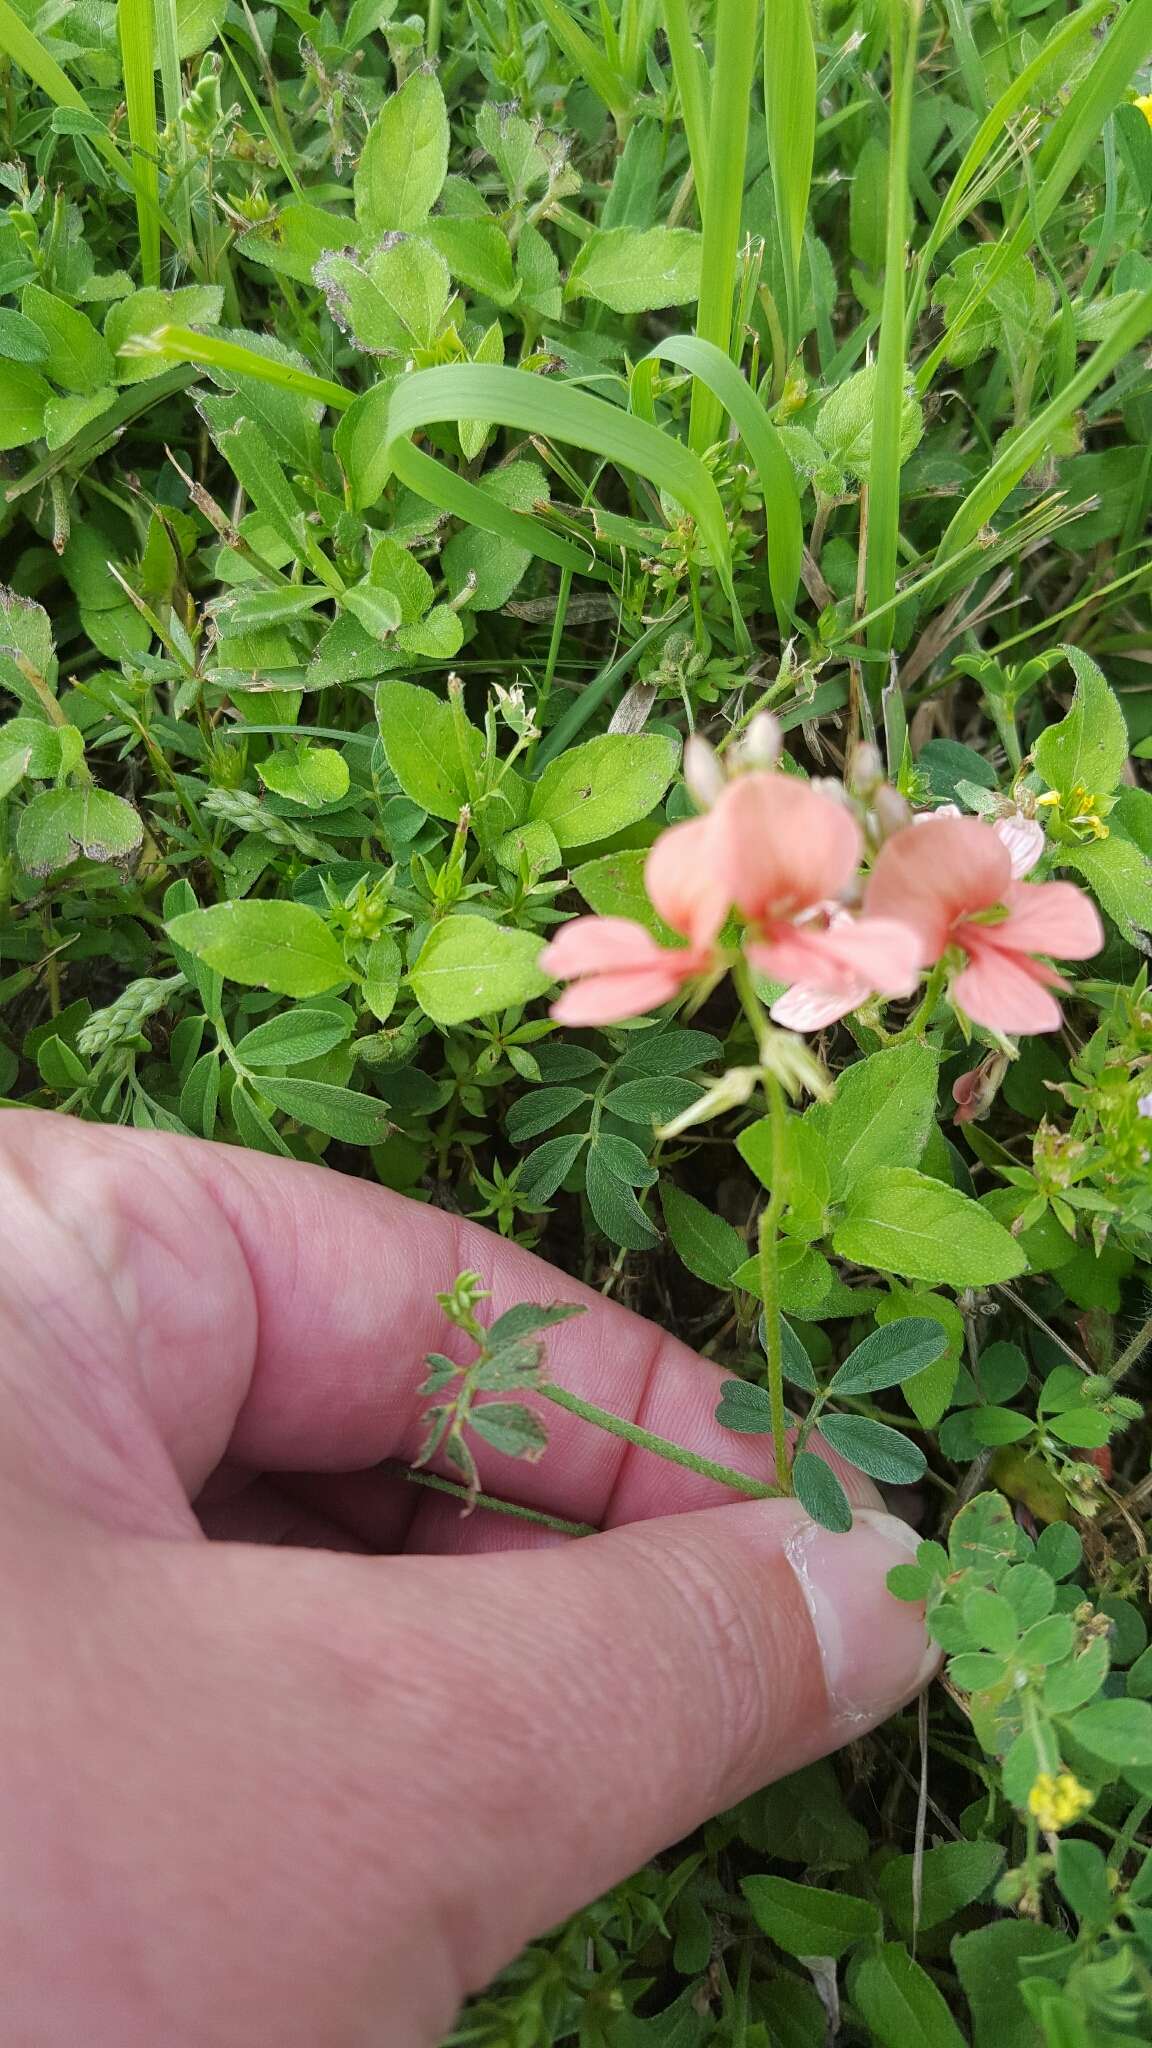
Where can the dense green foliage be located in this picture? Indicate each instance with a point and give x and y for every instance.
(415, 427)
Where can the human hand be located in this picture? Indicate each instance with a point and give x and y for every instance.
(312, 1782)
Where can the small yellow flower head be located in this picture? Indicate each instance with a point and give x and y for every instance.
(1058, 1800)
(1145, 106)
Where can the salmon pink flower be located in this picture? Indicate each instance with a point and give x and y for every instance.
(1024, 837)
(951, 879)
(778, 851)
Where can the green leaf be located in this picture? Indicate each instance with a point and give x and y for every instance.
(420, 739)
(892, 1354)
(296, 1036)
(275, 945)
(1059, 1550)
(613, 886)
(615, 1207)
(990, 1964)
(1117, 1731)
(1087, 750)
(545, 1168)
(404, 159)
(819, 1490)
(952, 1876)
(383, 967)
(510, 1427)
(1119, 875)
(313, 776)
(24, 397)
(901, 1222)
(597, 789)
(393, 300)
(900, 2004)
(707, 1245)
(63, 825)
(543, 1108)
(193, 305)
(1082, 1875)
(637, 270)
(652, 1101)
(674, 1051)
(874, 1448)
(476, 252)
(805, 1921)
(338, 1112)
(881, 1114)
(78, 356)
(469, 967)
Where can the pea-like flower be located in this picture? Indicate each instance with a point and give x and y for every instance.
(951, 880)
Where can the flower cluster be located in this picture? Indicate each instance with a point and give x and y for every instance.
(783, 855)
(1057, 1800)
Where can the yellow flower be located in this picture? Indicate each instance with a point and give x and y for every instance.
(1058, 1800)
(1145, 106)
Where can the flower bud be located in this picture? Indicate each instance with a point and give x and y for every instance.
(763, 742)
(890, 811)
(703, 775)
(867, 768)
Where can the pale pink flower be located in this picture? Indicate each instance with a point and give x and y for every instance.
(778, 851)
(951, 879)
(1024, 837)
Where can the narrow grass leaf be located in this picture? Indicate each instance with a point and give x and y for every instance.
(733, 64)
(885, 464)
(790, 119)
(135, 26)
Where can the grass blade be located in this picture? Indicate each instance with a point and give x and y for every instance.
(1022, 448)
(733, 63)
(1071, 136)
(135, 26)
(692, 86)
(23, 49)
(885, 465)
(215, 352)
(588, 62)
(785, 528)
(790, 119)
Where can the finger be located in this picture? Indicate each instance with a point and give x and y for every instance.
(167, 1300)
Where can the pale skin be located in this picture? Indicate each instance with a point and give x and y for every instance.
(289, 1751)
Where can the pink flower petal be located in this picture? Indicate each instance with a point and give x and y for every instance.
(687, 879)
(873, 953)
(930, 875)
(1002, 991)
(802, 1008)
(1024, 838)
(611, 998)
(1049, 917)
(785, 846)
(599, 945)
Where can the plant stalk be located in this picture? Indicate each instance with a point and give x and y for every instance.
(646, 1440)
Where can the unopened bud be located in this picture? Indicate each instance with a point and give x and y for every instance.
(890, 811)
(763, 742)
(703, 775)
(867, 768)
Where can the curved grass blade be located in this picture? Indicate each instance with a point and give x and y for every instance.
(517, 399)
(1023, 448)
(785, 527)
(692, 85)
(213, 352)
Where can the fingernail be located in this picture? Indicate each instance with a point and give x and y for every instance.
(874, 1649)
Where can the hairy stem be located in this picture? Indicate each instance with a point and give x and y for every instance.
(646, 1440)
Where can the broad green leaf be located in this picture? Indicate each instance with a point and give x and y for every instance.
(545, 1168)
(845, 420)
(383, 968)
(597, 789)
(615, 1208)
(78, 356)
(707, 1245)
(805, 1921)
(338, 1112)
(296, 1036)
(637, 270)
(1117, 1731)
(404, 159)
(901, 1222)
(672, 1051)
(390, 302)
(819, 1490)
(900, 2004)
(613, 886)
(308, 775)
(1087, 750)
(952, 1876)
(510, 1427)
(652, 1100)
(24, 396)
(874, 1448)
(484, 569)
(990, 1964)
(1119, 875)
(892, 1354)
(881, 1114)
(63, 825)
(193, 305)
(276, 945)
(542, 1110)
(476, 252)
(421, 741)
(469, 967)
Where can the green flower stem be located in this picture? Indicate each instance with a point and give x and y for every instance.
(919, 1022)
(768, 1243)
(1133, 1352)
(645, 1440)
(489, 1500)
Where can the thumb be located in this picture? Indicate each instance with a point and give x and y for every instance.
(607, 1696)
